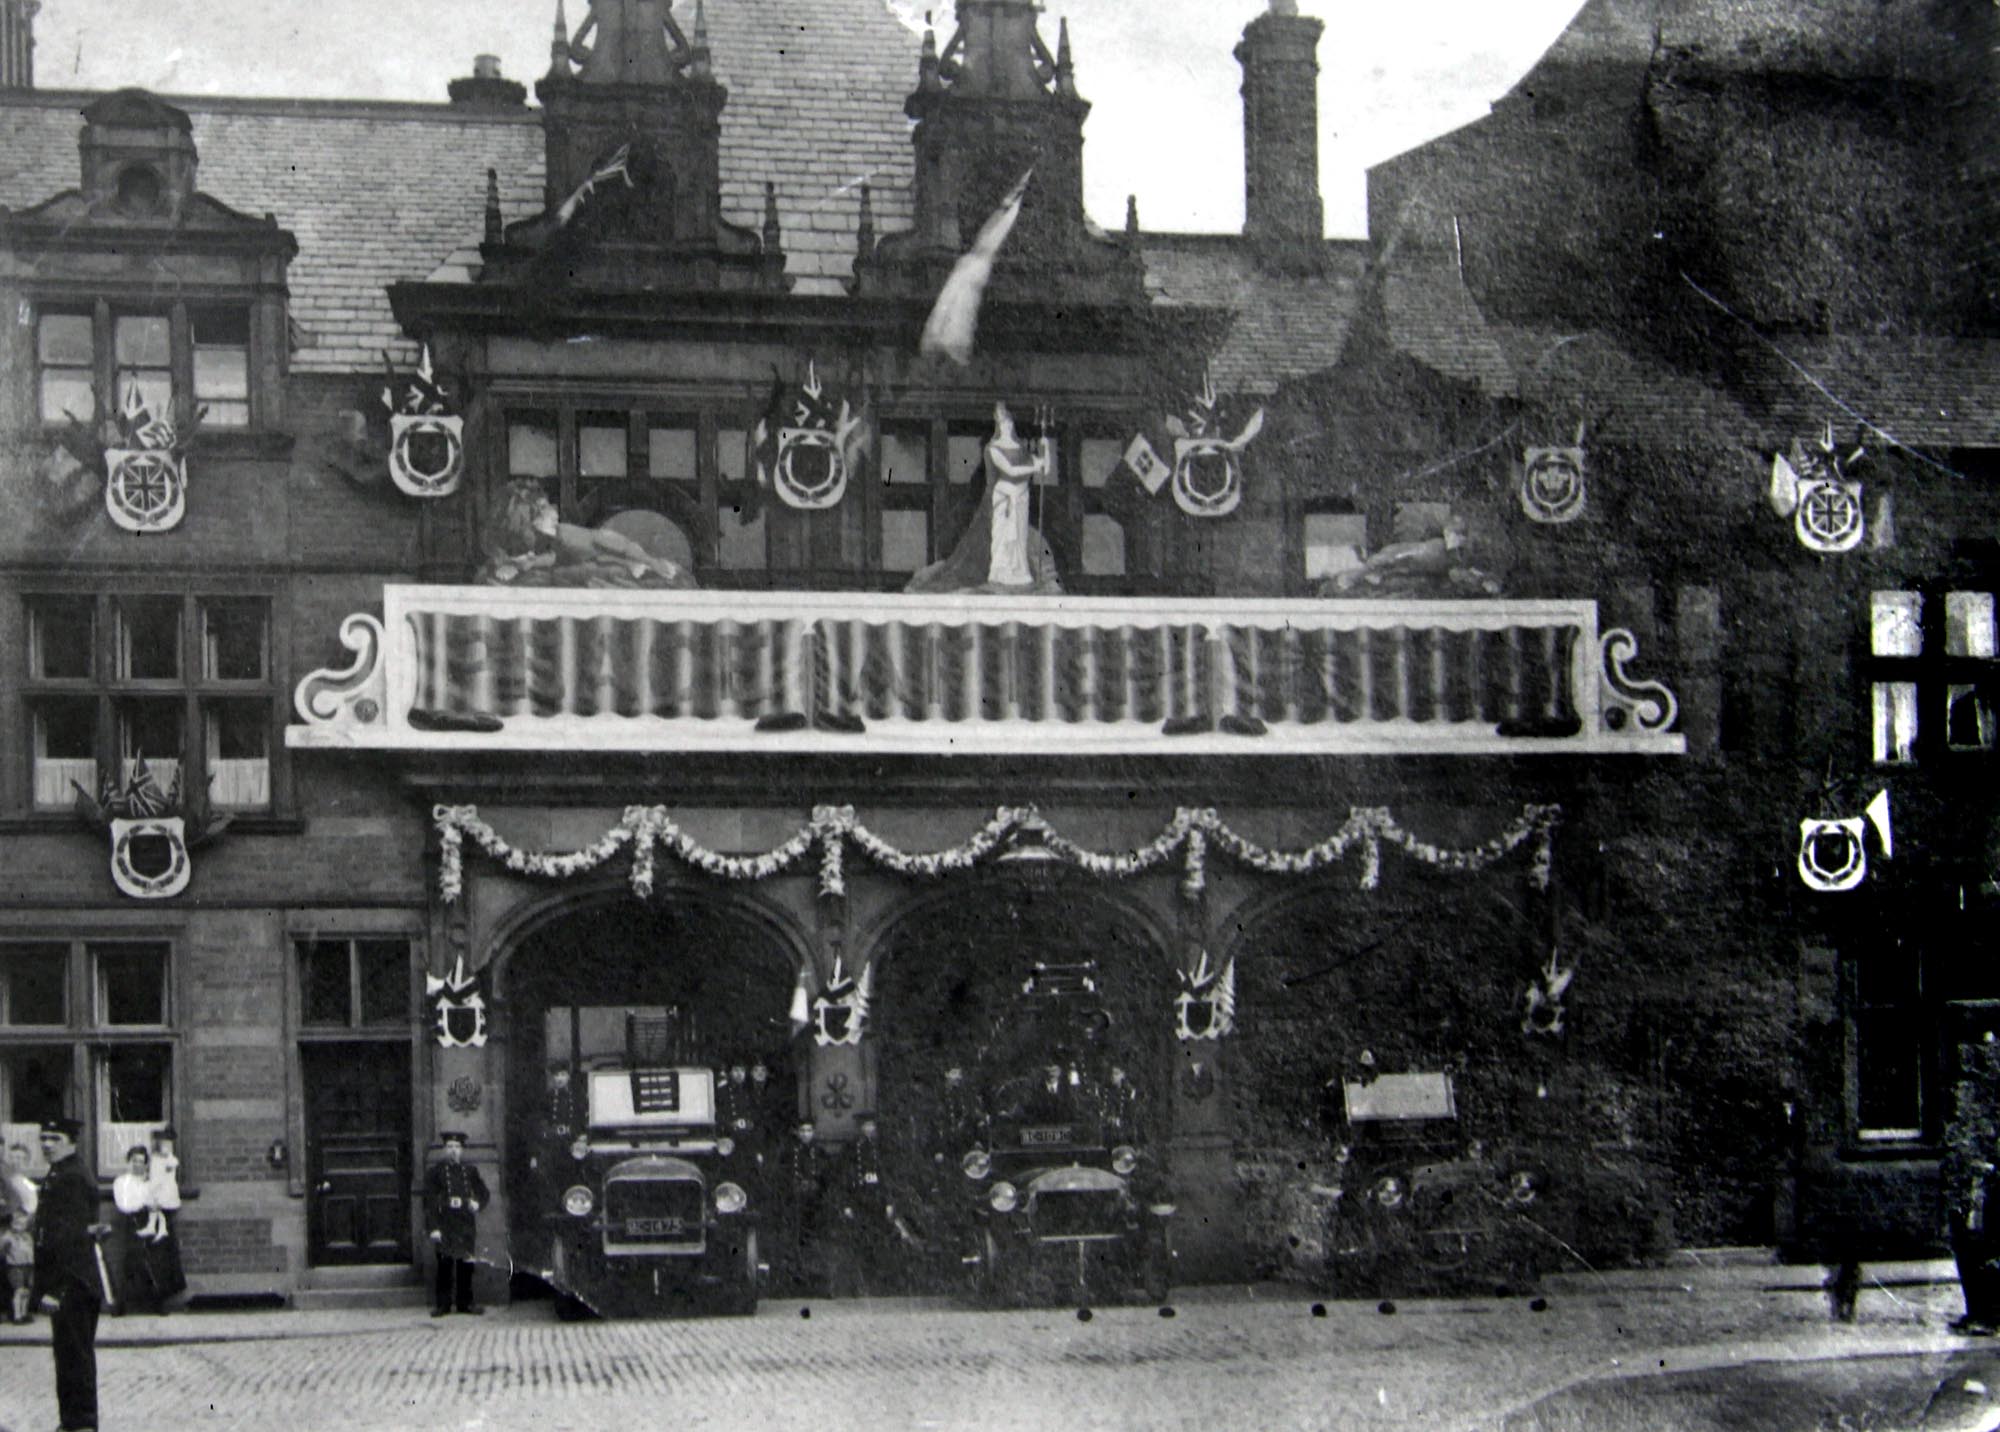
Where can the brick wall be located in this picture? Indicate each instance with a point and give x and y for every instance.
(228, 1245)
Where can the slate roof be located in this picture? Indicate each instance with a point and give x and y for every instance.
(1284, 327)
(377, 193)
(1848, 37)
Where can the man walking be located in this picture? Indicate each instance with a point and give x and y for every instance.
(67, 1270)
(454, 1195)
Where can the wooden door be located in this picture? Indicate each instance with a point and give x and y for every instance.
(357, 1098)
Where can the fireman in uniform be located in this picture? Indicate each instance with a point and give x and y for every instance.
(454, 1194)
(805, 1187)
(69, 1268)
(866, 1233)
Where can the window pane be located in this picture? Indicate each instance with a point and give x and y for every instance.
(65, 340)
(670, 453)
(531, 445)
(238, 752)
(221, 373)
(739, 541)
(65, 751)
(233, 640)
(1100, 458)
(964, 452)
(1895, 722)
(1896, 625)
(1103, 545)
(1888, 1058)
(131, 983)
(732, 448)
(61, 631)
(67, 393)
(600, 445)
(1968, 624)
(1968, 723)
(32, 981)
(144, 341)
(906, 537)
(385, 980)
(325, 989)
(34, 1085)
(906, 456)
(149, 638)
(1334, 543)
(222, 365)
(151, 730)
(135, 1097)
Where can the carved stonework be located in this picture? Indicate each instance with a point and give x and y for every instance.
(1631, 705)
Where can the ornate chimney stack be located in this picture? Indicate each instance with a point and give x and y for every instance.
(1282, 212)
(17, 43)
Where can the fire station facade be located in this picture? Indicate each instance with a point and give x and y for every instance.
(1387, 751)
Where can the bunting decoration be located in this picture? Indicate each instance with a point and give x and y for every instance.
(954, 318)
(1550, 482)
(1833, 854)
(426, 437)
(145, 487)
(1815, 490)
(807, 445)
(458, 1007)
(1190, 834)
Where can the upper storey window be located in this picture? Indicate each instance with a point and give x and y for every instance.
(1935, 664)
(175, 362)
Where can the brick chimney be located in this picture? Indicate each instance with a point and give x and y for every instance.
(485, 88)
(1282, 213)
(17, 43)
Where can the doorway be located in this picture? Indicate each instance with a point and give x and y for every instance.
(357, 1125)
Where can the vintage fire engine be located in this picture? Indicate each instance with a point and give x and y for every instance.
(1066, 1200)
(651, 1206)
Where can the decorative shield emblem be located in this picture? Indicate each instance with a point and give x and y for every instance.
(1815, 491)
(812, 469)
(458, 1008)
(840, 1014)
(426, 453)
(149, 857)
(1833, 854)
(1206, 1006)
(146, 488)
(1208, 476)
(1552, 487)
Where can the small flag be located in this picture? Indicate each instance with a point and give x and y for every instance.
(802, 994)
(612, 168)
(1152, 470)
(143, 796)
(954, 318)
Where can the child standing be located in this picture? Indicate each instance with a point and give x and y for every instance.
(17, 1251)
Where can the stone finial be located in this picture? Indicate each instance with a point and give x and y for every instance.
(698, 55)
(495, 230)
(864, 228)
(559, 46)
(928, 77)
(1065, 63)
(771, 230)
(1131, 216)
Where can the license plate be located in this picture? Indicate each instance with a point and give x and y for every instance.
(654, 1227)
(1051, 1134)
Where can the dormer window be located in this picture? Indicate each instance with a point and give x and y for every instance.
(140, 192)
(200, 353)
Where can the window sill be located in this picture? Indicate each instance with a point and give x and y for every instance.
(214, 442)
(1859, 1150)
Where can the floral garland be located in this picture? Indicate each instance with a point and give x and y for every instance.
(1190, 832)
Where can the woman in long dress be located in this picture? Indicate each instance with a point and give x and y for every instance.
(151, 1262)
(1000, 551)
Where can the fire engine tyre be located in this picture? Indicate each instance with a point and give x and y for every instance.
(571, 1309)
(991, 1282)
(1156, 1266)
(741, 1298)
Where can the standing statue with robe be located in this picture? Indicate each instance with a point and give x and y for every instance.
(1001, 550)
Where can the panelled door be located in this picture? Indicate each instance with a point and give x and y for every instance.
(357, 1104)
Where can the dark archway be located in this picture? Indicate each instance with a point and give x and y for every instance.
(722, 966)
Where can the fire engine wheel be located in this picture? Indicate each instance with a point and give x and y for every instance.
(570, 1308)
(992, 1272)
(1156, 1266)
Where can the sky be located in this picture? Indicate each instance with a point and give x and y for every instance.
(1167, 122)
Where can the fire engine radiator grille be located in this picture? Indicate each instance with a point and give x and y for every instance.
(653, 1211)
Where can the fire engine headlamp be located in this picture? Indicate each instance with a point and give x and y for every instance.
(578, 1201)
(1003, 1197)
(977, 1163)
(730, 1198)
(1124, 1159)
(579, 1149)
(725, 1146)
(1389, 1191)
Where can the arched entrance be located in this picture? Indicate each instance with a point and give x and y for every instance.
(997, 978)
(690, 979)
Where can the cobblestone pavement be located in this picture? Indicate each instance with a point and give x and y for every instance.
(1227, 1358)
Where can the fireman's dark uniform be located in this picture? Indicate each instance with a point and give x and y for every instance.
(805, 1168)
(866, 1239)
(453, 1195)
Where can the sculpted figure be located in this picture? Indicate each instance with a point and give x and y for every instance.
(531, 546)
(1000, 551)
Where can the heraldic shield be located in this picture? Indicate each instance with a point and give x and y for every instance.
(149, 857)
(1552, 487)
(458, 1008)
(145, 489)
(1208, 476)
(1833, 854)
(812, 469)
(840, 1016)
(426, 453)
(1206, 1006)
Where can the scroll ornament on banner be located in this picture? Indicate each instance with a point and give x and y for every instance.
(1817, 491)
(1833, 854)
(1550, 482)
(145, 467)
(807, 444)
(426, 435)
(1206, 473)
(457, 1007)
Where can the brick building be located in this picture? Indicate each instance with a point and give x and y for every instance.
(1472, 746)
